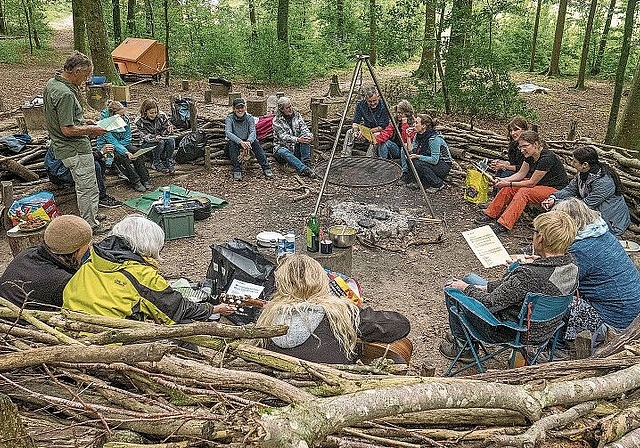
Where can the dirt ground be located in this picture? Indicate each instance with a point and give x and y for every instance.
(409, 281)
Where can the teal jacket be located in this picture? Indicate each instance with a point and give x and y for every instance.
(119, 138)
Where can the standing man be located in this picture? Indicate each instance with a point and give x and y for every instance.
(372, 112)
(292, 137)
(240, 131)
(70, 132)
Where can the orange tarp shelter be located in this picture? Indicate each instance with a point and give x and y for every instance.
(143, 57)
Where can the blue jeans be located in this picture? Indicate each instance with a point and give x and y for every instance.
(504, 173)
(163, 151)
(388, 148)
(234, 153)
(299, 158)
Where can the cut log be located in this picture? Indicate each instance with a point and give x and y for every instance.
(17, 169)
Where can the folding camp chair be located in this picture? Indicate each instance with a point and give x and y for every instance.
(537, 310)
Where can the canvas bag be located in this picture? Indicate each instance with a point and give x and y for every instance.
(476, 187)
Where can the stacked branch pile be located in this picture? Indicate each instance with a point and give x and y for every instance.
(69, 380)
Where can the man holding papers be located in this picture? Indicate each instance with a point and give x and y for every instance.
(70, 132)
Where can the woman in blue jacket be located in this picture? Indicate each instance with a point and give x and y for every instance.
(123, 150)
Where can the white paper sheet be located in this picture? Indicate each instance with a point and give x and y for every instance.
(112, 123)
(486, 246)
(242, 289)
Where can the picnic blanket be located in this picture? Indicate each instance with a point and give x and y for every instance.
(143, 203)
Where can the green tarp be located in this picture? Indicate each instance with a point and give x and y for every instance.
(143, 203)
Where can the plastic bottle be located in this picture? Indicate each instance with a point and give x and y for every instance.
(290, 243)
(108, 158)
(313, 234)
(166, 197)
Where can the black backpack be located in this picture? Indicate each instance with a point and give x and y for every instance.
(191, 147)
(180, 114)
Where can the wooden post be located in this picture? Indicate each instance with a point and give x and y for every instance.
(279, 94)
(19, 241)
(7, 200)
(233, 96)
(257, 106)
(259, 92)
(207, 96)
(315, 104)
(334, 87)
(22, 124)
(185, 84)
(339, 260)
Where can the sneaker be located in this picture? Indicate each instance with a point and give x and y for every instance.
(171, 169)
(159, 166)
(413, 186)
(109, 202)
(483, 219)
(237, 175)
(498, 228)
(308, 172)
(148, 185)
(450, 349)
(268, 173)
(434, 189)
(101, 228)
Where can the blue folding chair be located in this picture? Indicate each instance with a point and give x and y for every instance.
(538, 310)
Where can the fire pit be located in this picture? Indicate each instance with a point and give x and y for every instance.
(372, 220)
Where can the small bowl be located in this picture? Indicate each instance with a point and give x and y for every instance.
(342, 236)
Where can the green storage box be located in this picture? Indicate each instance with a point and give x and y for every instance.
(175, 223)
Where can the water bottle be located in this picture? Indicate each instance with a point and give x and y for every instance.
(281, 248)
(108, 158)
(290, 243)
(166, 197)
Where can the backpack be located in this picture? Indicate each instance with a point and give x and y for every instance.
(191, 147)
(180, 115)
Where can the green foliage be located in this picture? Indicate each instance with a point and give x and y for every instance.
(11, 50)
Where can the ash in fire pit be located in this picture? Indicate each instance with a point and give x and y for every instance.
(372, 220)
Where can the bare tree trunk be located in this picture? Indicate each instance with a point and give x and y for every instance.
(283, 20)
(34, 27)
(99, 42)
(3, 19)
(131, 17)
(117, 23)
(620, 71)
(603, 39)
(554, 64)
(167, 28)
(79, 27)
(585, 45)
(28, 19)
(252, 18)
(148, 14)
(12, 430)
(534, 39)
(438, 56)
(373, 53)
(628, 130)
(425, 69)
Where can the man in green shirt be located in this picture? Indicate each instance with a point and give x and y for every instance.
(70, 132)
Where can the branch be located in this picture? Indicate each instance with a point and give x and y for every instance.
(27, 316)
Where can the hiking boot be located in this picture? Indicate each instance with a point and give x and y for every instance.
(237, 175)
(413, 186)
(406, 179)
(139, 187)
(448, 336)
(171, 168)
(158, 166)
(450, 349)
(484, 219)
(498, 228)
(109, 202)
(101, 228)
(308, 172)
(148, 185)
(268, 173)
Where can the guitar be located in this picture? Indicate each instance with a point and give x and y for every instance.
(399, 351)
(246, 308)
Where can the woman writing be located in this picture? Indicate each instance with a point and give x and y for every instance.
(540, 175)
(505, 168)
(598, 186)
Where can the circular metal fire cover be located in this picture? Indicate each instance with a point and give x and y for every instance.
(360, 172)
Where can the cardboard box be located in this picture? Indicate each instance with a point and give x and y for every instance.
(121, 93)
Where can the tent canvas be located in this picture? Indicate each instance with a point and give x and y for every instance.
(143, 203)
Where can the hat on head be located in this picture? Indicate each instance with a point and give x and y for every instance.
(66, 234)
(238, 102)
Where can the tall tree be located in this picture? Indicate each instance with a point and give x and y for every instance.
(628, 131)
(585, 45)
(425, 69)
(148, 15)
(3, 19)
(340, 19)
(79, 27)
(252, 18)
(283, 20)
(34, 24)
(554, 64)
(167, 29)
(117, 24)
(373, 51)
(99, 42)
(457, 61)
(620, 71)
(131, 17)
(29, 25)
(603, 39)
(534, 39)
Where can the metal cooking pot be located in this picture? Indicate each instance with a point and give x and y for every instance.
(342, 236)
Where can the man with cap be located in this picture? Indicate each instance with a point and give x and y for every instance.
(240, 132)
(292, 137)
(37, 276)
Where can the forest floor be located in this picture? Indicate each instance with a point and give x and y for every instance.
(409, 281)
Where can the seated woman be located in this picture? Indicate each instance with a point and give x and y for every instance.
(598, 186)
(155, 131)
(37, 276)
(431, 156)
(121, 279)
(119, 141)
(541, 174)
(505, 168)
(609, 281)
(554, 273)
(322, 327)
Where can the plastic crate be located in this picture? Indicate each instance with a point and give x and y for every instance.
(175, 223)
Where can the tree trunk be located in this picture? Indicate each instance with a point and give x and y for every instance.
(252, 18)
(554, 64)
(12, 430)
(373, 53)
(456, 60)
(148, 15)
(117, 24)
(99, 42)
(425, 69)
(3, 19)
(34, 27)
(585, 45)
(438, 57)
(628, 131)
(534, 39)
(620, 71)
(79, 27)
(283, 20)
(28, 20)
(167, 28)
(131, 17)
(603, 39)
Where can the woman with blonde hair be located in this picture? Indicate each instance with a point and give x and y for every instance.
(322, 327)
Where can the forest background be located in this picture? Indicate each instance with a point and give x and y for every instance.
(462, 51)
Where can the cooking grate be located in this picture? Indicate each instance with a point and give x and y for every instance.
(361, 171)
